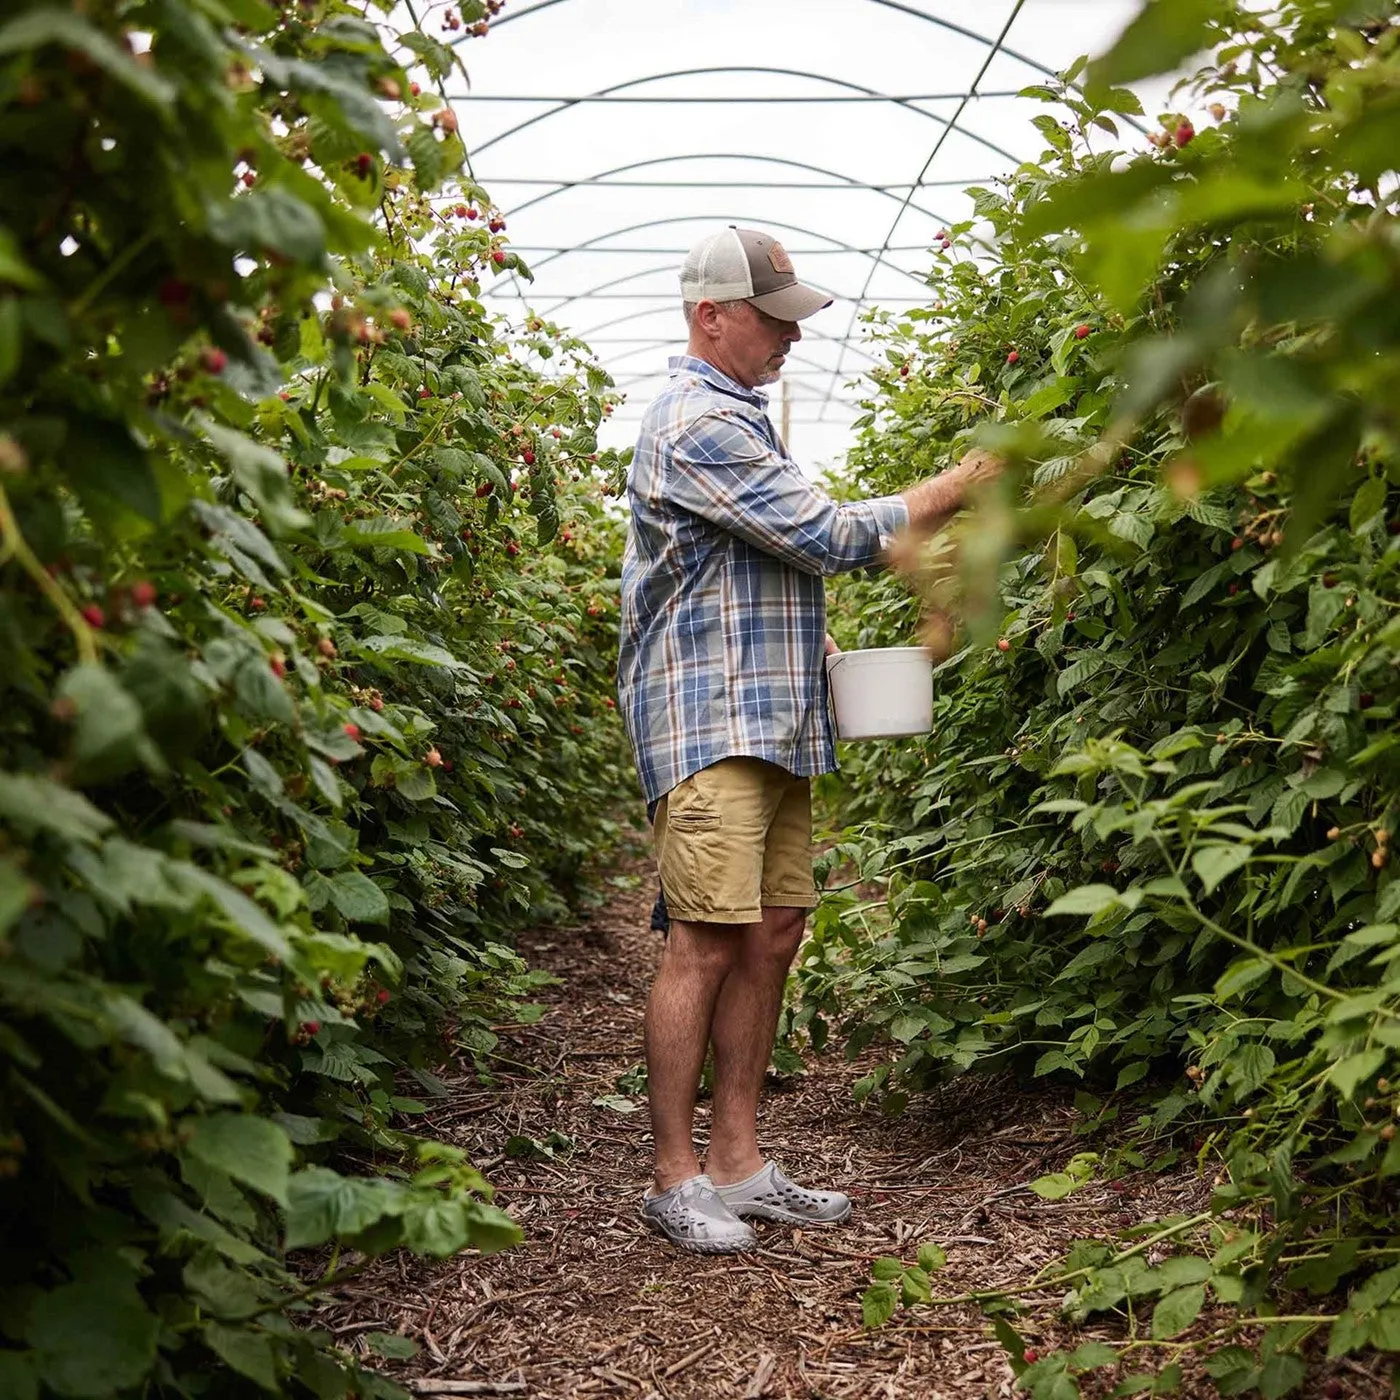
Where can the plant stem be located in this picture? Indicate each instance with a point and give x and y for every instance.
(13, 545)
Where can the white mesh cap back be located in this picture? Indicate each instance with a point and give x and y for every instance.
(717, 269)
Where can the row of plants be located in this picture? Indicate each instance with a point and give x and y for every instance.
(307, 616)
(1147, 847)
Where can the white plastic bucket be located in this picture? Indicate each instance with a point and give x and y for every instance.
(881, 693)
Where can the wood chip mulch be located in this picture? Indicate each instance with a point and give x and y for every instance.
(593, 1304)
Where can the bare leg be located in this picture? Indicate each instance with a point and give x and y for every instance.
(696, 961)
(745, 1022)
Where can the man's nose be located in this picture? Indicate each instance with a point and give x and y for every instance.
(792, 331)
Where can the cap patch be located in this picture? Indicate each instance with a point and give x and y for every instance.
(777, 255)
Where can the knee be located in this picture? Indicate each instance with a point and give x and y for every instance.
(782, 932)
(703, 951)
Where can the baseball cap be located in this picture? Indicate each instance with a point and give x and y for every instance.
(742, 264)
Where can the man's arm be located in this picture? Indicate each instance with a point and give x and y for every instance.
(719, 469)
(934, 501)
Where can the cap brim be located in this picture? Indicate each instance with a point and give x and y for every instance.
(794, 303)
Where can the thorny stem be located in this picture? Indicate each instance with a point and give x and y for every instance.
(14, 546)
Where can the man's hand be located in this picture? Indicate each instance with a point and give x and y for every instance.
(831, 647)
(935, 500)
(980, 465)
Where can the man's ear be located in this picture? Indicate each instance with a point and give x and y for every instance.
(706, 316)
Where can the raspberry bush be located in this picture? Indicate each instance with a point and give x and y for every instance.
(1148, 846)
(306, 624)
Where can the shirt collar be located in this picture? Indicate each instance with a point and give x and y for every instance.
(706, 371)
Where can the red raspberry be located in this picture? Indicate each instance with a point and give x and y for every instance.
(352, 731)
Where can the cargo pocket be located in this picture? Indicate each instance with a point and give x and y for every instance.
(693, 861)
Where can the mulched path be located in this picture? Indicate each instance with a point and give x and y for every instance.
(593, 1304)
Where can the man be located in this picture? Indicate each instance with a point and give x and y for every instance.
(723, 693)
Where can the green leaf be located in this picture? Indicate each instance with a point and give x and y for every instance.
(1088, 1355)
(238, 910)
(92, 1339)
(1280, 1374)
(66, 29)
(358, 898)
(404, 649)
(914, 1287)
(493, 1230)
(391, 1346)
(436, 1227)
(1213, 863)
(1056, 1186)
(1082, 670)
(383, 532)
(886, 1268)
(322, 1206)
(109, 732)
(1162, 35)
(1087, 899)
(1178, 1271)
(349, 104)
(1250, 1067)
(252, 1150)
(262, 473)
(931, 1257)
(225, 1292)
(1368, 503)
(1349, 1074)
(1177, 1311)
(270, 221)
(36, 804)
(14, 270)
(247, 1352)
(1240, 976)
(878, 1304)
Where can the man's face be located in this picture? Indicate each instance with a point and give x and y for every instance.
(754, 344)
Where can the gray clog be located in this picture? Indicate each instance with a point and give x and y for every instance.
(769, 1195)
(692, 1215)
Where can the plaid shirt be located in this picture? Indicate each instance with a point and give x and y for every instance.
(723, 608)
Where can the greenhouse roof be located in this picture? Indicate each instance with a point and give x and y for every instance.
(614, 133)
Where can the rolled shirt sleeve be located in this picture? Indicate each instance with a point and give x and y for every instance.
(721, 469)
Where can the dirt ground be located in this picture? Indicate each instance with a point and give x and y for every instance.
(593, 1304)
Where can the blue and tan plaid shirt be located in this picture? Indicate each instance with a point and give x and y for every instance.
(723, 608)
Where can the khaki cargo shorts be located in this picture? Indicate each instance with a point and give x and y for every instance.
(732, 838)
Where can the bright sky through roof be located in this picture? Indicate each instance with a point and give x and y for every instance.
(831, 178)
